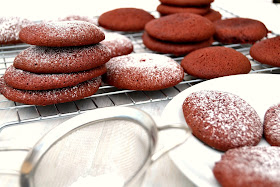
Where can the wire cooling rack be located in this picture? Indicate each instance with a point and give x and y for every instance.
(15, 113)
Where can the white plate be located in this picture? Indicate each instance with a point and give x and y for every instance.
(195, 159)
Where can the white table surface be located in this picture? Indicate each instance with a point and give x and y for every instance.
(164, 172)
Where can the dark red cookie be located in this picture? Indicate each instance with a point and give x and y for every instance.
(171, 47)
(186, 2)
(79, 18)
(212, 62)
(168, 9)
(48, 97)
(9, 29)
(249, 166)
(213, 15)
(272, 125)
(62, 34)
(267, 51)
(125, 19)
(181, 27)
(118, 44)
(222, 120)
(143, 71)
(239, 30)
(62, 60)
(25, 80)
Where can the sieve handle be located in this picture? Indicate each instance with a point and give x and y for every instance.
(157, 155)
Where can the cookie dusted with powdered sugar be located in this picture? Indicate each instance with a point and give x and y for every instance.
(118, 44)
(25, 80)
(38, 59)
(62, 34)
(249, 166)
(10, 28)
(272, 125)
(143, 71)
(48, 97)
(222, 120)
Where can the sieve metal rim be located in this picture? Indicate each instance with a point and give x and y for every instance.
(138, 116)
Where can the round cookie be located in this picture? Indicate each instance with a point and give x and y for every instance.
(213, 15)
(118, 44)
(272, 125)
(61, 60)
(143, 71)
(9, 29)
(239, 30)
(48, 97)
(267, 51)
(212, 62)
(173, 48)
(167, 9)
(125, 19)
(249, 166)
(25, 80)
(79, 18)
(186, 2)
(222, 120)
(62, 34)
(181, 27)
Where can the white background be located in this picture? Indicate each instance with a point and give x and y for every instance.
(262, 10)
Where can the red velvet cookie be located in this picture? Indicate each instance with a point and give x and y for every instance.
(118, 44)
(25, 80)
(249, 166)
(213, 15)
(186, 2)
(212, 62)
(168, 9)
(181, 27)
(125, 19)
(9, 29)
(171, 47)
(272, 125)
(267, 51)
(239, 30)
(222, 120)
(48, 97)
(79, 18)
(62, 60)
(143, 71)
(62, 34)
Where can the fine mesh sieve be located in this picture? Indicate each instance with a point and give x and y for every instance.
(104, 147)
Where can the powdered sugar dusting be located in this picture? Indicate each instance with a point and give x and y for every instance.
(62, 33)
(79, 18)
(225, 117)
(62, 60)
(118, 44)
(272, 124)
(10, 27)
(47, 97)
(259, 164)
(145, 68)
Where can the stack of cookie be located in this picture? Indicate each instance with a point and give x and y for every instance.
(200, 7)
(178, 34)
(64, 64)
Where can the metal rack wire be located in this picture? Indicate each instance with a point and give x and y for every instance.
(16, 113)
